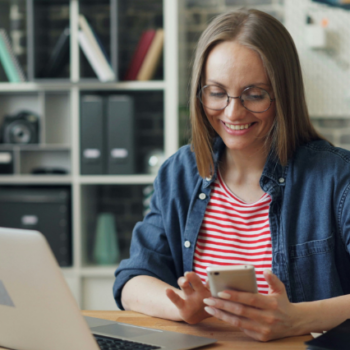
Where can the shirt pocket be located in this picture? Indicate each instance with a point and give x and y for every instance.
(313, 270)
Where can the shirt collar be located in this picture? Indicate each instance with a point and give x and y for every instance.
(273, 170)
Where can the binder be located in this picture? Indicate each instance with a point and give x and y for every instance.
(120, 135)
(92, 154)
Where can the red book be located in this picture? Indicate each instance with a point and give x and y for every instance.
(140, 54)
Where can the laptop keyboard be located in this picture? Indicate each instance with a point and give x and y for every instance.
(106, 343)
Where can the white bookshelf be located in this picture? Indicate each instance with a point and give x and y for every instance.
(90, 284)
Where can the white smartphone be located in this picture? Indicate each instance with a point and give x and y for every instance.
(238, 277)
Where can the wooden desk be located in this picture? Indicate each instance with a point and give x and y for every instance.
(227, 337)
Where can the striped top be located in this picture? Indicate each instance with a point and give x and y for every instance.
(234, 233)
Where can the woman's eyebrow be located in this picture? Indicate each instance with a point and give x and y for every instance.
(244, 87)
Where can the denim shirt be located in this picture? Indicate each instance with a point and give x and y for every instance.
(309, 221)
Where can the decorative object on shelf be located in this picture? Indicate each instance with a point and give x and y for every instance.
(59, 56)
(9, 61)
(94, 52)
(154, 160)
(147, 195)
(20, 128)
(106, 248)
(152, 58)
(140, 53)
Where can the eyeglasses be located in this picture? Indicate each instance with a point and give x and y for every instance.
(254, 99)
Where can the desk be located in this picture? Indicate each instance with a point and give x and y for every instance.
(228, 338)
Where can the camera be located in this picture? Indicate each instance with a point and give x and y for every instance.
(20, 128)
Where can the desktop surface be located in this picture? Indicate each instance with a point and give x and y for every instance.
(227, 336)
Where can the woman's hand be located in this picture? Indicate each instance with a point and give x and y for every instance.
(190, 300)
(262, 317)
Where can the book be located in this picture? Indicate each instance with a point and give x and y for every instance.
(59, 56)
(9, 61)
(93, 51)
(152, 58)
(92, 57)
(140, 54)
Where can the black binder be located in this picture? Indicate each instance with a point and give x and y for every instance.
(92, 152)
(120, 135)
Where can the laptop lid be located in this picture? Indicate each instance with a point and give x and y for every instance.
(38, 311)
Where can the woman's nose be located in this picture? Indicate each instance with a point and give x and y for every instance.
(234, 109)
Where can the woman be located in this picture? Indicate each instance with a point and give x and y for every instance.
(258, 186)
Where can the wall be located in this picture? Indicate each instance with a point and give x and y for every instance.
(326, 72)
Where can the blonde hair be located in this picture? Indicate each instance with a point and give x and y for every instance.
(265, 35)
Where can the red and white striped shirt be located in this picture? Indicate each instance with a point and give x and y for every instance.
(234, 233)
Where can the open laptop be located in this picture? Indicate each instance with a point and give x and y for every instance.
(38, 311)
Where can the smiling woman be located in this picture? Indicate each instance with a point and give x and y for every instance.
(258, 186)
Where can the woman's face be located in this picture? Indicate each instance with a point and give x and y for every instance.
(233, 67)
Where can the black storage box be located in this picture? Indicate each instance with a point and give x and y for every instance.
(47, 210)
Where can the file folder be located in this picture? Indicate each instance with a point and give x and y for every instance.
(92, 125)
(120, 135)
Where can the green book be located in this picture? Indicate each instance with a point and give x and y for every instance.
(8, 60)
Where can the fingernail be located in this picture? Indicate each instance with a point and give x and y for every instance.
(186, 273)
(224, 295)
(209, 310)
(268, 271)
(210, 302)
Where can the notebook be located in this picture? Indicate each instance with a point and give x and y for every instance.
(38, 311)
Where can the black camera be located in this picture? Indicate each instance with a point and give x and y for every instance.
(20, 128)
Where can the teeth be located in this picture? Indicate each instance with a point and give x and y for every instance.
(238, 127)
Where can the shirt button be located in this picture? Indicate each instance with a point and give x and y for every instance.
(208, 178)
(187, 244)
(202, 196)
(281, 180)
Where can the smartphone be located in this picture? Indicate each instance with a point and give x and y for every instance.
(238, 277)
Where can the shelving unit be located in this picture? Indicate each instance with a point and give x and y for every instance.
(58, 104)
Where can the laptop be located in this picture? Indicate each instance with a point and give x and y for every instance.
(38, 311)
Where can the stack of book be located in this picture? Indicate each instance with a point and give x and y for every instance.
(8, 60)
(146, 56)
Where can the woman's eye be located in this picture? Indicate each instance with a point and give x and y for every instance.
(217, 94)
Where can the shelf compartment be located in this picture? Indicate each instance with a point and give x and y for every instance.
(30, 160)
(57, 118)
(134, 17)
(124, 202)
(148, 125)
(47, 21)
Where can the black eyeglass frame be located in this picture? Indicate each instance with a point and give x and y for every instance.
(235, 97)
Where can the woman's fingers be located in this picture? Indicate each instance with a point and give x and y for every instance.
(256, 300)
(185, 285)
(240, 310)
(195, 281)
(175, 298)
(236, 321)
